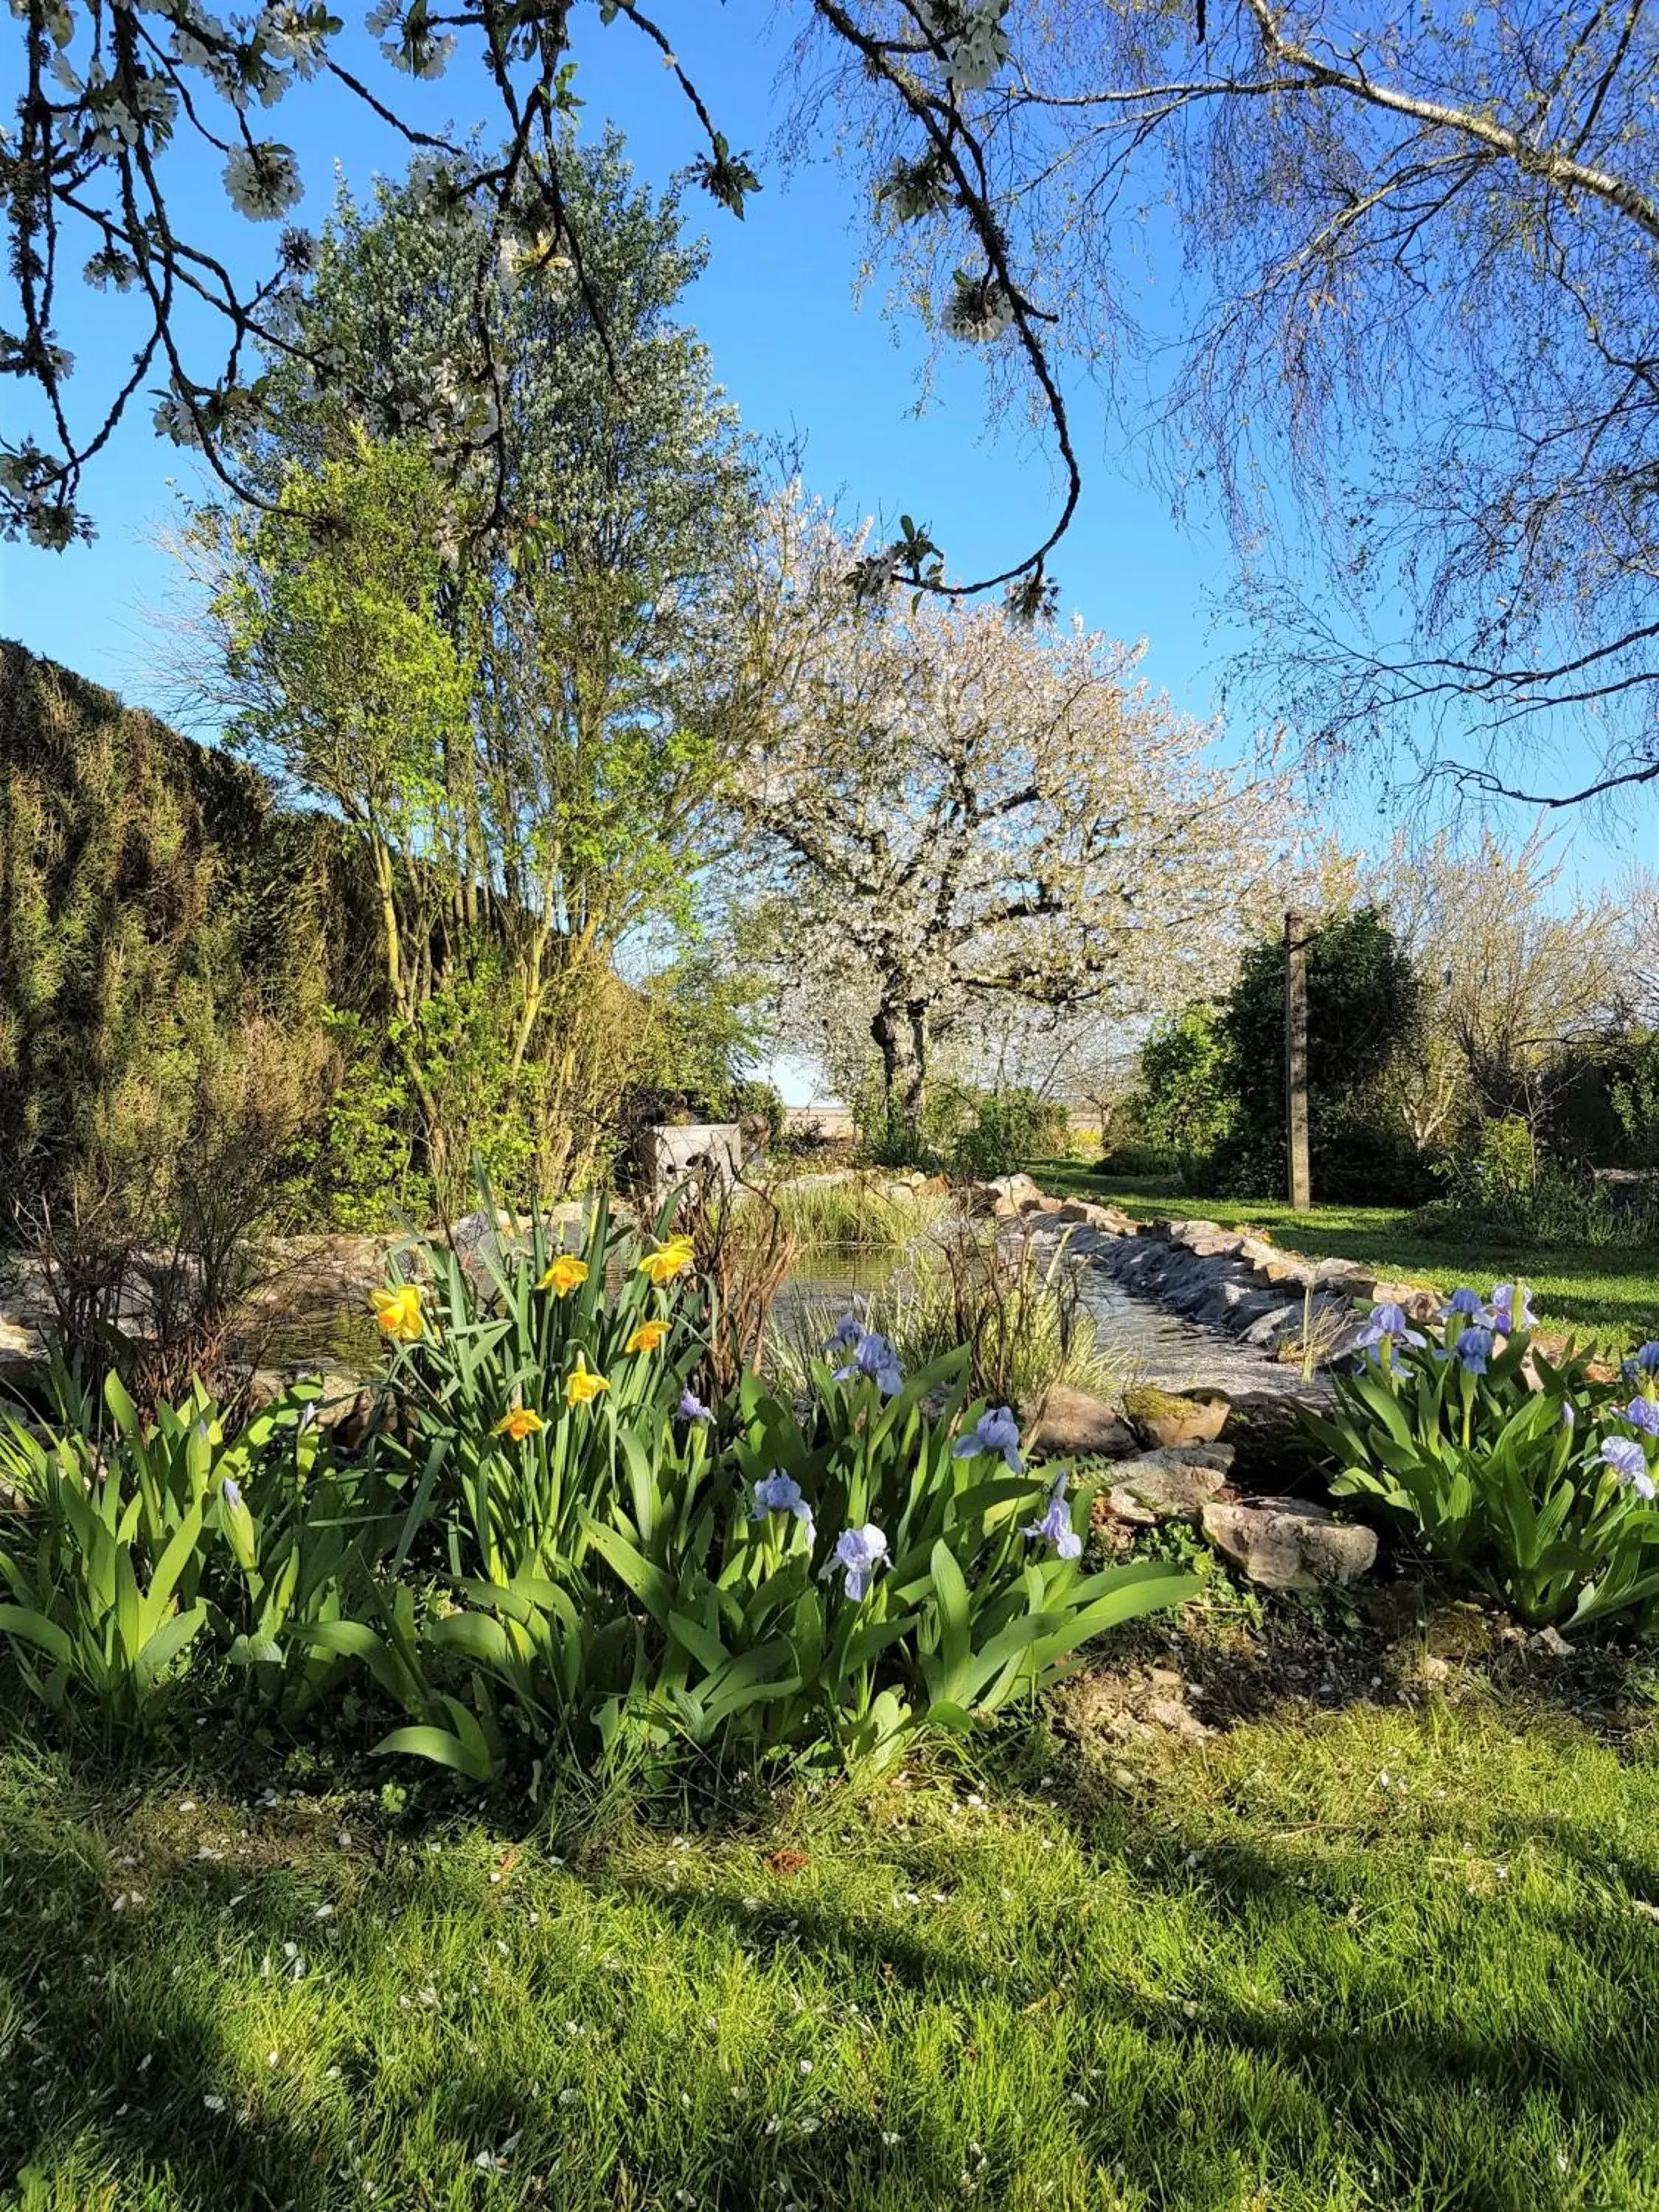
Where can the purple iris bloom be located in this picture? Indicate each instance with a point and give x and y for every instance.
(1387, 1322)
(1648, 1358)
(1465, 1301)
(779, 1493)
(995, 1431)
(1629, 1462)
(232, 1492)
(1641, 1412)
(1056, 1525)
(1503, 1307)
(1473, 1348)
(857, 1553)
(874, 1360)
(691, 1407)
(848, 1329)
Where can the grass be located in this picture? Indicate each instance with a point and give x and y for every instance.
(1608, 1295)
(1377, 1957)
(858, 1211)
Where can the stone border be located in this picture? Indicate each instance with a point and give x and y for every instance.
(1228, 1280)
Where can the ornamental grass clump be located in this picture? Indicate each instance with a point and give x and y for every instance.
(1526, 1475)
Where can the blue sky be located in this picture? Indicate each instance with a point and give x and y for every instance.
(797, 352)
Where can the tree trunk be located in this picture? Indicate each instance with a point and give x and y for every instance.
(900, 1030)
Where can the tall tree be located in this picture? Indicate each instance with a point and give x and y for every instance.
(959, 810)
(572, 799)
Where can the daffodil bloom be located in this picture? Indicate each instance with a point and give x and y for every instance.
(567, 1273)
(523, 1421)
(647, 1336)
(668, 1260)
(398, 1312)
(581, 1387)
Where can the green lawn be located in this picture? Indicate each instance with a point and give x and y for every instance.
(1608, 1294)
(1381, 1957)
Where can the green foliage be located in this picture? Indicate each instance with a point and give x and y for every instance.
(540, 1545)
(127, 1539)
(1363, 1003)
(1186, 1103)
(1505, 1181)
(1503, 1481)
(1009, 1125)
(857, 1209)
(152, 903)
(364, 1174)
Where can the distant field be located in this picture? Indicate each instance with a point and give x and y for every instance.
(1610, 1295)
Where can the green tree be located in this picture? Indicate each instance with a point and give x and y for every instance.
(568, 568)
(1363, 1007)
(1187, 1099)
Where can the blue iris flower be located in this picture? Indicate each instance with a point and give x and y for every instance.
(1629, 1462)
(1055, 1526)
(1648, 1358)
(995, 1431)
(1503, 1307)
(1473, 1348)
(873, 1360)
(691, 1407)
(1465, 1301)
(779, 1493)
(857, 1553)
(1644, 1413)
(1387, 1323)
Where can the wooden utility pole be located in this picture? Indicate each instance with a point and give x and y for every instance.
(1296, 1060)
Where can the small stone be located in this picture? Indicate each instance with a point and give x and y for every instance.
(1072, 1424)
(1551, 1641)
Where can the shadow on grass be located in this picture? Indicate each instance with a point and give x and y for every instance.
(1234, 2019)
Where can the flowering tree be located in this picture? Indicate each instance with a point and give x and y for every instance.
(958, 810)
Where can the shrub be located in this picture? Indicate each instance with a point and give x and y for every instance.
(1505, 1181)
(1523, 1475)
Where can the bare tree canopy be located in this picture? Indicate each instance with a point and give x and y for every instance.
(1417, 307)
(117, 96)
(1405, 266)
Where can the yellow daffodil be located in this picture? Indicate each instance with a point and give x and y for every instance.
(647, 1336)
(668, 1260)
(582, 1387)
(523, 1421)
(565, 1275)
(398, 1312)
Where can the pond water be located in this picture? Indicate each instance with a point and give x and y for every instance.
(1143, 1341)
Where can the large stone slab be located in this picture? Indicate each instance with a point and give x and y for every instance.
(1284, 1543)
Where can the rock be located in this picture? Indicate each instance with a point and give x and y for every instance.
(1071, 1424)
(1551, 1641)
(1176, 1485)
(1285, 1544)
(1108, 1219)
(1003, 1197)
